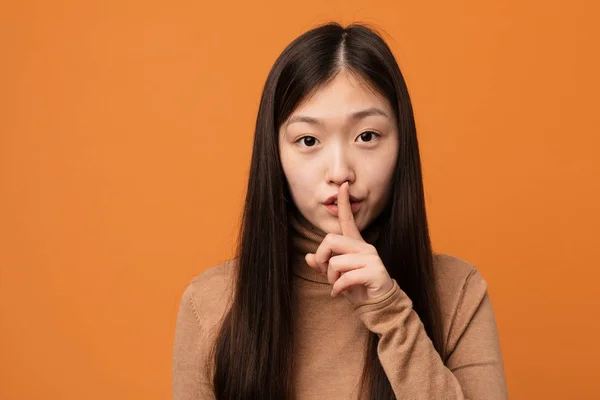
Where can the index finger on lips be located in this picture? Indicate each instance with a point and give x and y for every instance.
(345, 216)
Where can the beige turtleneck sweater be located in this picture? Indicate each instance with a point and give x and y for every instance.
(331, 333)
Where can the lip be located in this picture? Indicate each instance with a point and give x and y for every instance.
(333, 209)
(333, 198)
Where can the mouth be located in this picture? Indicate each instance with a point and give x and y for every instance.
(335, 203)
(333, 207)
(333, 200)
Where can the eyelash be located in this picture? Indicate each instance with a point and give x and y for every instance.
(377, 135)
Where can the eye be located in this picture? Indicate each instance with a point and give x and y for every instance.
(369, 136)
(308, 141)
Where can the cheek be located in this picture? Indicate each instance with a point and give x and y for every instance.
(380, 189)
(380, 176)
(381, 169)
(300, 181)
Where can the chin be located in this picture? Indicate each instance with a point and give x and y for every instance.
(333, 227)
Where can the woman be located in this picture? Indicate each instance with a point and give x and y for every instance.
(335, 292)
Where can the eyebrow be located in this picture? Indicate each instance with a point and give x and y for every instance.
(355, 116)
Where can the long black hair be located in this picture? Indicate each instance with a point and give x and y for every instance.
(253, 351)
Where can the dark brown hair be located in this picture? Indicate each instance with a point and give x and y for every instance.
(253, 352)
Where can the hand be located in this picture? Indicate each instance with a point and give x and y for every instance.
(356, 269)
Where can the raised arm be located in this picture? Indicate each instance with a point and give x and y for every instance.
(474, 368)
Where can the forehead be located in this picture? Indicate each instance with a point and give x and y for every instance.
(345, 94)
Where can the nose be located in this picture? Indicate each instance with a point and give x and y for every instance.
(339, 168)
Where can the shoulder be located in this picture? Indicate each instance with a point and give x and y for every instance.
(454, 276)
(461, 290)
(209, 293)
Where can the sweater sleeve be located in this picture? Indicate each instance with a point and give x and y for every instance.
(474, 368)
(189, 369)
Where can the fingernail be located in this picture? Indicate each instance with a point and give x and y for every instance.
(332, 295)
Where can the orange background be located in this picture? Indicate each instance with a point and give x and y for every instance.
(125, 139)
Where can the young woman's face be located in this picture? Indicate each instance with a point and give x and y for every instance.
(322, 145)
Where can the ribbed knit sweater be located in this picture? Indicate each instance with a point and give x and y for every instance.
(331, 333)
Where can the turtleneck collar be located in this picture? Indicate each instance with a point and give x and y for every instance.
(306, 238)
